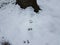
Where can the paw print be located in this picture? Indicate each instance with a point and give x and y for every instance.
(26, 42)
(5, 43)
(30, 21)
(29, 29)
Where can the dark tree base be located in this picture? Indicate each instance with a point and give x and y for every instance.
(26, 3)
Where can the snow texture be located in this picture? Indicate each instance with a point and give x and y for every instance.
(25, 27)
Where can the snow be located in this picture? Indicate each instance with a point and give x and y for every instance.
(15, 22)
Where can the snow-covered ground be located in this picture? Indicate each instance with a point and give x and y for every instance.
(15, 24)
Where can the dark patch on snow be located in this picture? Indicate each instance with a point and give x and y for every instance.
(29, 29)
(24, 41)
(30, 21)
(2, 37)
(28, 41)
(4, 4)
(5, 43)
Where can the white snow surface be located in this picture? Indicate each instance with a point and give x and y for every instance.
(14, 24)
